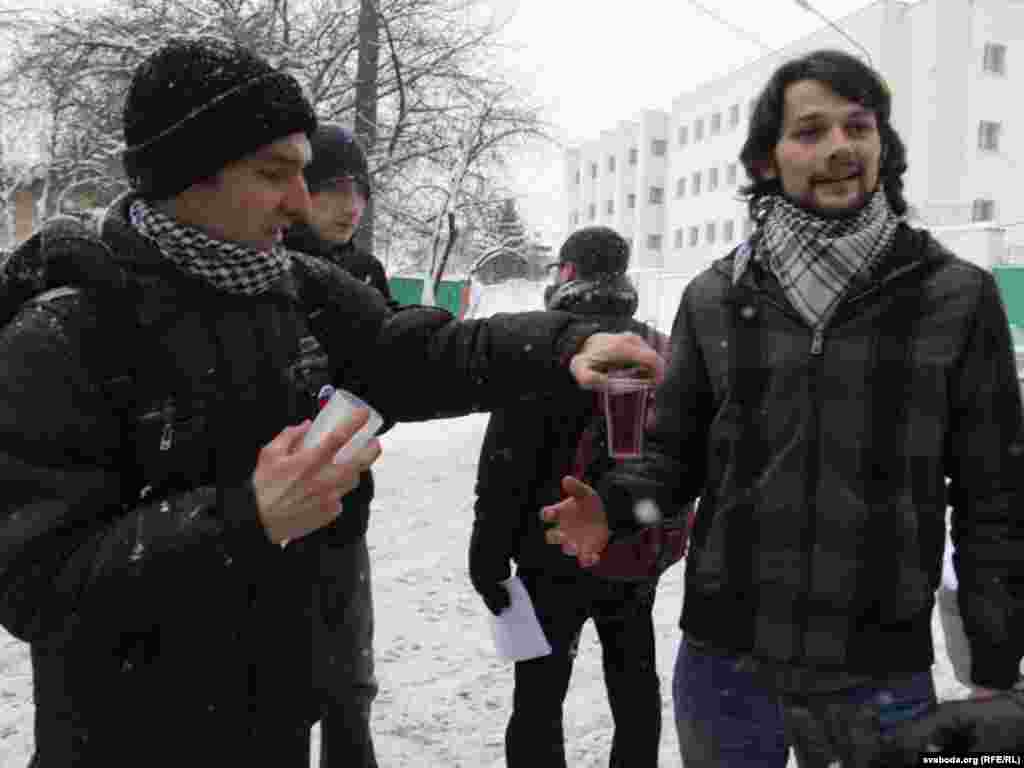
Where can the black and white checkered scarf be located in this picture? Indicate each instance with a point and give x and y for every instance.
(227, 266)
(817, 259)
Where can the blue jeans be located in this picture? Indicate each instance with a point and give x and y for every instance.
(727, 719)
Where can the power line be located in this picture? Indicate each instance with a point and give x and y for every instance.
(737, 30)
(849, 38)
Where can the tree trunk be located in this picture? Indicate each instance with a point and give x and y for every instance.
(453, 234)
(367, 69)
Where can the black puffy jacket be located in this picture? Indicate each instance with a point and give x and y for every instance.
(165, 627)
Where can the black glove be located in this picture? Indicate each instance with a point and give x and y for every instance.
(488, 567)
(994, 725)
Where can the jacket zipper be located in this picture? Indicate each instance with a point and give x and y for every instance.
(167, 436)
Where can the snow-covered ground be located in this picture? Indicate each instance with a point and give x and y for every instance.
(444, 696)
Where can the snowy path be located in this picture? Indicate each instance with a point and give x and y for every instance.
(444, 698)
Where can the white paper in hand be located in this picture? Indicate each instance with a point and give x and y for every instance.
(518, 635)
(340, 408)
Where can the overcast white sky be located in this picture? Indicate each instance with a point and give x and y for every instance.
(592, 64)
(595, 63)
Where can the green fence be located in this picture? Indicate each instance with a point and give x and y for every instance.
(1010, 280)
(409, 290)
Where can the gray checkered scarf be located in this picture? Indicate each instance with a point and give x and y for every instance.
(817, 259)
(227, 266)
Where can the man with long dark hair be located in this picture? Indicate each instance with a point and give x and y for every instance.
(826, 377)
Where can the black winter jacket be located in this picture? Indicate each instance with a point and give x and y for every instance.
(166, 629)
(820, 462)
(528, 449)
(369, 270)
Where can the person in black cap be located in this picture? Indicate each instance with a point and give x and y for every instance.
(526, 450)
(165, 532)
(339, 188)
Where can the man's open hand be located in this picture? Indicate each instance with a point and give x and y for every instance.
(580, 523)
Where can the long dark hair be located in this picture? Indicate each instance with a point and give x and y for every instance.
(848, 77)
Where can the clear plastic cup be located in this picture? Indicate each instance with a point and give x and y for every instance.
(625, 412)
(340, 408)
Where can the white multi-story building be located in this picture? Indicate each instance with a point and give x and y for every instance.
(669, 180)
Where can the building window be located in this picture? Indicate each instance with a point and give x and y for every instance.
(709, 232)
(654, 242)
(983, 210)
(591, 211)
(694, 236)
(631, 200)
(656, 196)
(677, 238)
(681, 187)
(730, 175)
(712, 179)
(988, 135)
(609, 207)
(577, 175)
(593, 170)
(695, 184)
(659, 147)
(633, 153)
(995, 58)
(734, 115)
(728, 230)
(698, 130)
(716, 123)
(574, 220)
(611, 163)
(683, 135)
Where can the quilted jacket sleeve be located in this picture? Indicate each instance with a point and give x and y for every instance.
(419, 363)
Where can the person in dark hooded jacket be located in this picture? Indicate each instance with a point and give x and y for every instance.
(339, 190)
(526, 451)
(164, 533)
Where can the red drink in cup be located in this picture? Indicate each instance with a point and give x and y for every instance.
(625, 411)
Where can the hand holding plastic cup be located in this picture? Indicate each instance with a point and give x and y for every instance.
(625, 412)
(340, 408)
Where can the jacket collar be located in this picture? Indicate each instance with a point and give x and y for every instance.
(612, 296)
(157, 278)
(302, 237)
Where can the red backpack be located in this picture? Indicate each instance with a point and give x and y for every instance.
(649, 552)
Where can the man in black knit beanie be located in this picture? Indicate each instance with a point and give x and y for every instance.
(167, 537)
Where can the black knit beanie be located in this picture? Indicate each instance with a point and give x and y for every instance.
(196, 105)
(336, 154)
(595, 251)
